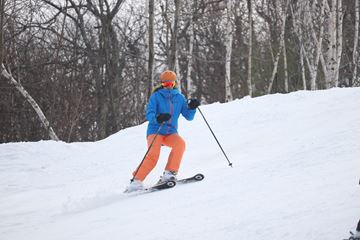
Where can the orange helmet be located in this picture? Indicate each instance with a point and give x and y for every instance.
(168, 76)
(168, 79)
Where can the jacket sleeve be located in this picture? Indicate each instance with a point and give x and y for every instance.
(151, 109)
(189, 114)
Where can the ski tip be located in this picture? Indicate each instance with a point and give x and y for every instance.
(199, 176)
(126, 191)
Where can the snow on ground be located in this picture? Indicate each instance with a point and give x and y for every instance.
(295, 176)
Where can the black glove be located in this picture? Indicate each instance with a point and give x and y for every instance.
(193, 103)
(163, 117)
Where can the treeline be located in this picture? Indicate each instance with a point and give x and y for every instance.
(81, 70)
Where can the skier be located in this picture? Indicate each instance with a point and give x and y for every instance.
(163, 110)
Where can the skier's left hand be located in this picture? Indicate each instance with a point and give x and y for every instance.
(193, 103)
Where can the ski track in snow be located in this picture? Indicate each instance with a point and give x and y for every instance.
(295, 176)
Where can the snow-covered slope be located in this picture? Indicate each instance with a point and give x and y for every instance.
(296, 169)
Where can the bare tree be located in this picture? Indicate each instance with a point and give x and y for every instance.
(314, 53)
(286, 75)
(189, 81)
(334, 39)
(249, 82)
(229, 41)
(302, 65)
(2, 13)
(282, 36)
(174, 34)
(296, 21)
(151, 47)
(104, 58)
(32, 102)
(355, 53)
(330, 66)
(339, 50)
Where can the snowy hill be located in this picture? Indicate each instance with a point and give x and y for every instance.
(295, 176)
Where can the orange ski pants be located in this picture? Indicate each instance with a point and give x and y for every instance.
(177, 145)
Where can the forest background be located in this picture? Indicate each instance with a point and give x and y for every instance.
(81, 70)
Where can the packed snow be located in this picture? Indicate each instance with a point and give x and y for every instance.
(295, 175)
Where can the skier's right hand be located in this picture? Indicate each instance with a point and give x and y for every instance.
(163, 117)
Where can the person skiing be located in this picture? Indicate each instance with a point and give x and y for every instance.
(163, 110)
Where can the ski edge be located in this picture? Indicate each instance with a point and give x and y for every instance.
(196, 178)
(154, 188)
(162, 186)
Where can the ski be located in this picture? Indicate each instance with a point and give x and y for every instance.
(170, 184)
(156, 187)
(196, 178)
(161, 186)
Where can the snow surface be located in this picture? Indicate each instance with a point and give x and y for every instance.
(295, 176)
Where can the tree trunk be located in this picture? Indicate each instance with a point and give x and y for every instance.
(299, 33)
(303, 76)
(282, 35)
(32, 102)
(355, 53)
(229, 40)
(314, 67)
(178, 72)
(286, 75)
(332, 46)
(250, 49)
(173, 43)
(190, 86)
(106, 63)
(340, 17)
(2, 13)
(151, 48)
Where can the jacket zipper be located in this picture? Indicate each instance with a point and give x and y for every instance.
(171, 111)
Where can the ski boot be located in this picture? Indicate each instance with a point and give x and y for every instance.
(167, 176)
(135, 185)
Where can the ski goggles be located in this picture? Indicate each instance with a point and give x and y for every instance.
(168, 84)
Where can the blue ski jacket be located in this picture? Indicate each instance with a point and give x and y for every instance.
(167, 101)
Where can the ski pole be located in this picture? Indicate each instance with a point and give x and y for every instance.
(230, 164)
(148, 150)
